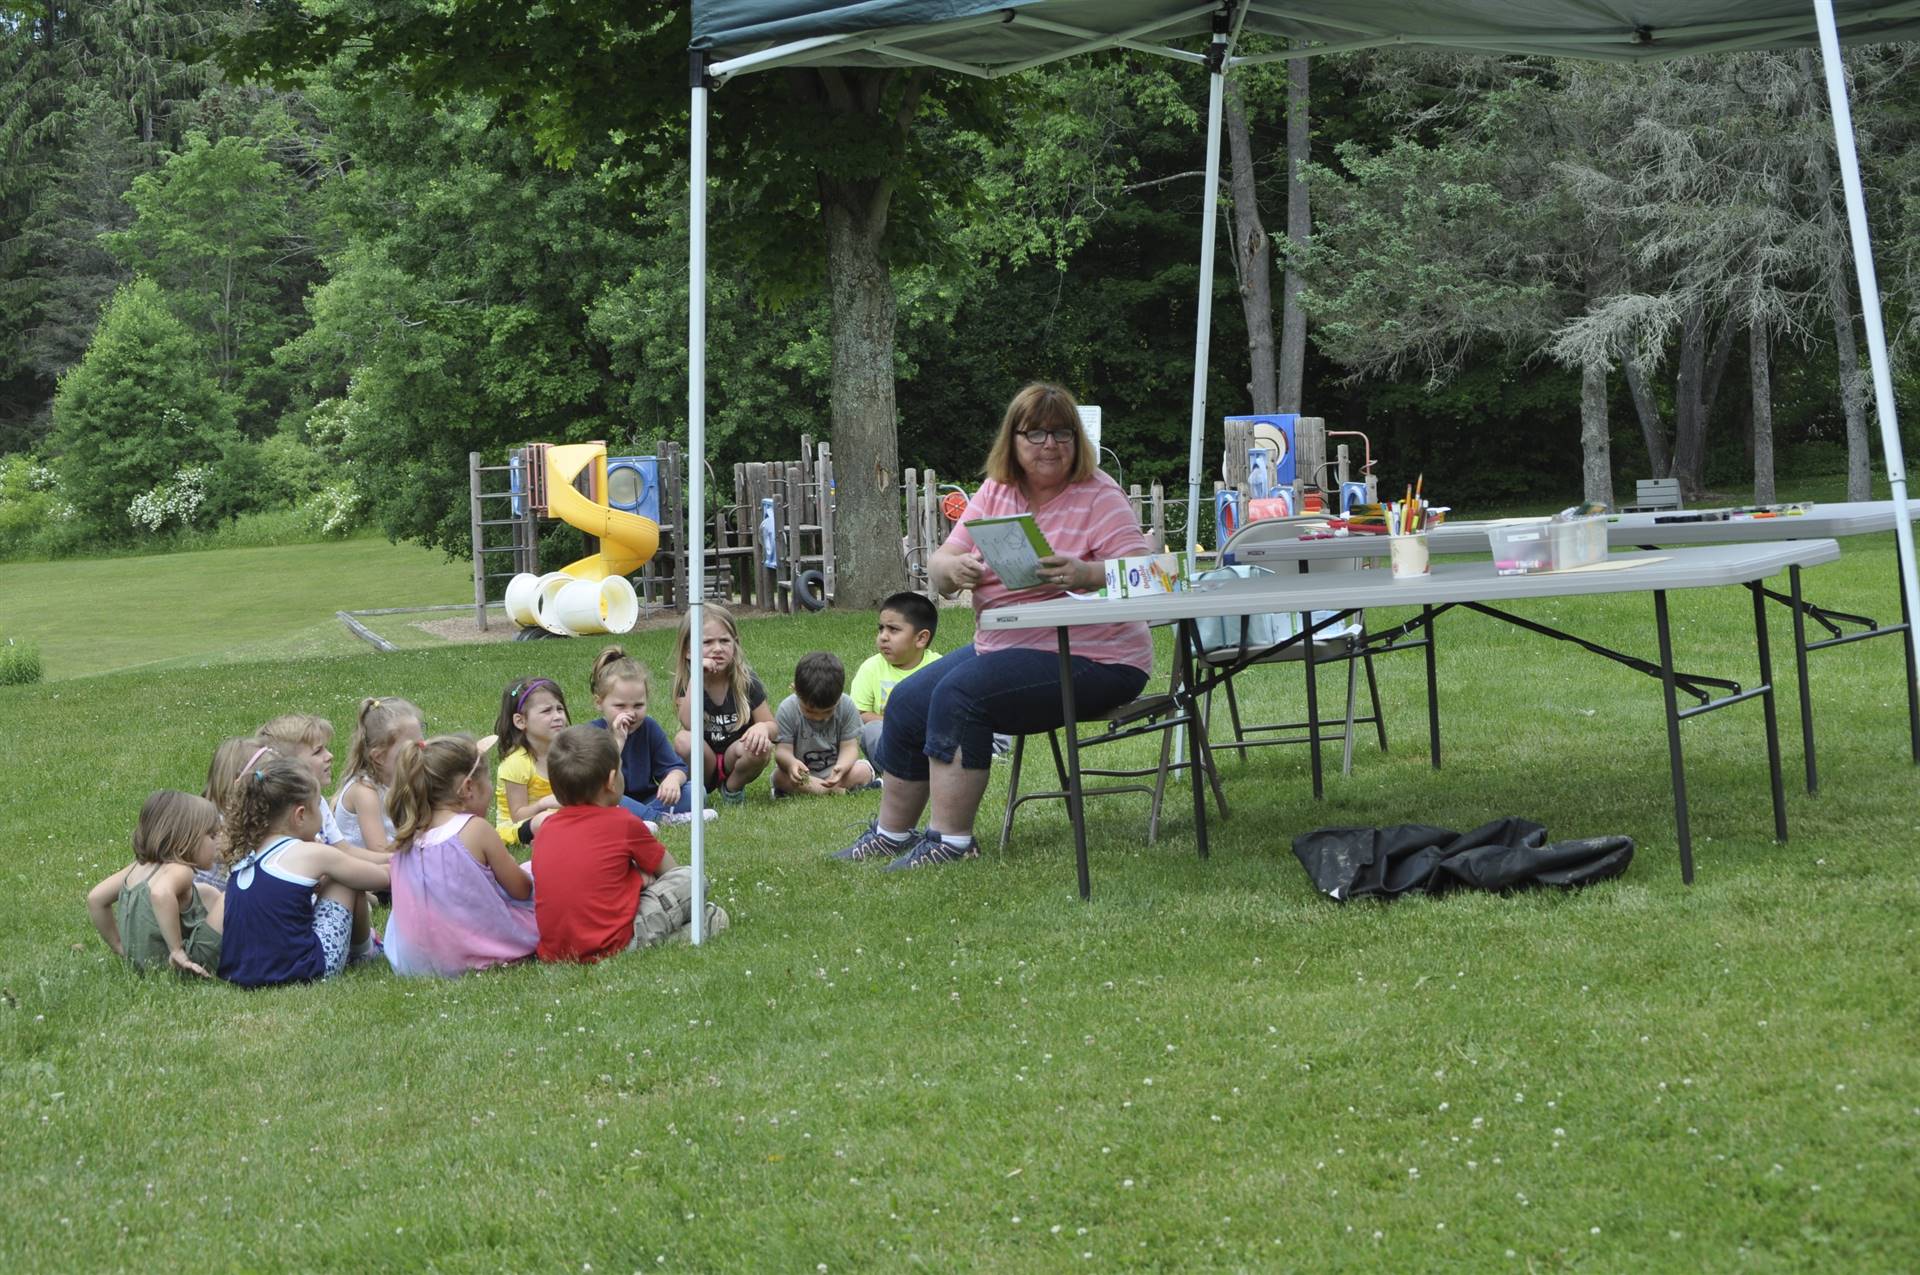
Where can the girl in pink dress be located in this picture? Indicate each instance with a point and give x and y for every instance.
(460, 900)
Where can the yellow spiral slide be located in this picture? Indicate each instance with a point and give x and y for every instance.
(593, 594)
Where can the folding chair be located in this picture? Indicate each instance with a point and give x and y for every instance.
(1335, 640)
(1166, 713)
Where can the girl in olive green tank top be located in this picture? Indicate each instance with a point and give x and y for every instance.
(151, 911)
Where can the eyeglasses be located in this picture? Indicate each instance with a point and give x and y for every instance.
(1039, 437)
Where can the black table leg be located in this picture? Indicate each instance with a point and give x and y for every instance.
(1313, 699)
(1761, 644)
(1184, 647)
(1806, 691)
(1913, 679)
(1071, 729)
(1433, 692)
(1674, 761)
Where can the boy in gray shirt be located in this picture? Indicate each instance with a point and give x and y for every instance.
(817, 733)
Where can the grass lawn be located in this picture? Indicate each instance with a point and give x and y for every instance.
(1207, 1067)
(169, 611)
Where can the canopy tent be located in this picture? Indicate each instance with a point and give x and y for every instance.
(993, 38)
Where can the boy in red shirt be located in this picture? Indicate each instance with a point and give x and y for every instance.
(602, 882)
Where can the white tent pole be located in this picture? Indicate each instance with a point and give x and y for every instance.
(696, 540)
(1869, 299)
(1203, 314)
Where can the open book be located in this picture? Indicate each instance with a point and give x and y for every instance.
(1013, 546)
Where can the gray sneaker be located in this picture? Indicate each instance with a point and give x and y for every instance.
(871, 844)
(931, 849)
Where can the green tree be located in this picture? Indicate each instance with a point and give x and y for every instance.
(839, 148)
(213, 228)
(138, 408)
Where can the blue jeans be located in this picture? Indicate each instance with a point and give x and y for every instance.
(652, 809)
(956, 703)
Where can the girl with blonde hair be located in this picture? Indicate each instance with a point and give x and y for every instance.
(384, 727)
(651, 768)
(152, 912)
(735, 723)
(460, 900)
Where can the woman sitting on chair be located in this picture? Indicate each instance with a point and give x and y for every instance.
(937, 742)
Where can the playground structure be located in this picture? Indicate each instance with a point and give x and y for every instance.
(772, 547)
(573, 483)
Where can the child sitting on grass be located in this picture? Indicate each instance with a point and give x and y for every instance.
(817, 733)
(736, 729)
(385, 726)
(532, 711)
(460, 901)
(232, 759)
(153, 912)
(606, 884)
(309, 740)
(296, 908)
(903, 642)
(655, 774)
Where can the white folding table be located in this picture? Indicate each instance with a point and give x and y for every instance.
(1831, 520)
(1472, 585)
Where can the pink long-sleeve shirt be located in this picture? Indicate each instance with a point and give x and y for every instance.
(1089, 519)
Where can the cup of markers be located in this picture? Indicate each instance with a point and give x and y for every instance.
(1407, 522)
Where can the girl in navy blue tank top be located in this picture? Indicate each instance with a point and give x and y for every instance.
(296, 908)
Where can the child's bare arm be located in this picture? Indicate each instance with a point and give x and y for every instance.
(484, 844)
(759, 735)
(100, 902)
(169, 889)
(843, 764)
(866, 717)
(792, 767)
(523, 809)
(365, 805)
(349, 870)
(686, 716)
(362, 853)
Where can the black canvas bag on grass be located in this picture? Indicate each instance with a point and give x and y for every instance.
(1507, 854)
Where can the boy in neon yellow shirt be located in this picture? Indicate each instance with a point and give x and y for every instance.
(903, 639)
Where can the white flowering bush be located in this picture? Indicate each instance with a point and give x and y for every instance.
(172, 503)
(334, 510)
(31, 508)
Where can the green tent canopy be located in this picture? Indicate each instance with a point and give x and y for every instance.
(990, 39)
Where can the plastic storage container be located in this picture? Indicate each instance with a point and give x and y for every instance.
(1525, 546)
(1522, 547)
(1578, 541)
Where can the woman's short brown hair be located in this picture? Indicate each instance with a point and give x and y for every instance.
(1039, 406)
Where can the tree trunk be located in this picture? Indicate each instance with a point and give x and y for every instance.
(1762, 390)
(1293, 319)
(1853, 398)
(869, 563)
(1596, 452)
(1596, 456)
(1689, 429)
(1853, 395)
(1652, 430)
(1253, 255)
(1696, 387)
(866, 445)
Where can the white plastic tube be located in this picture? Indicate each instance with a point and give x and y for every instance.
(592, 606)
(547, 588)
(523, 600)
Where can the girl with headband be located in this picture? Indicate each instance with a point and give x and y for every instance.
(532, 711)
